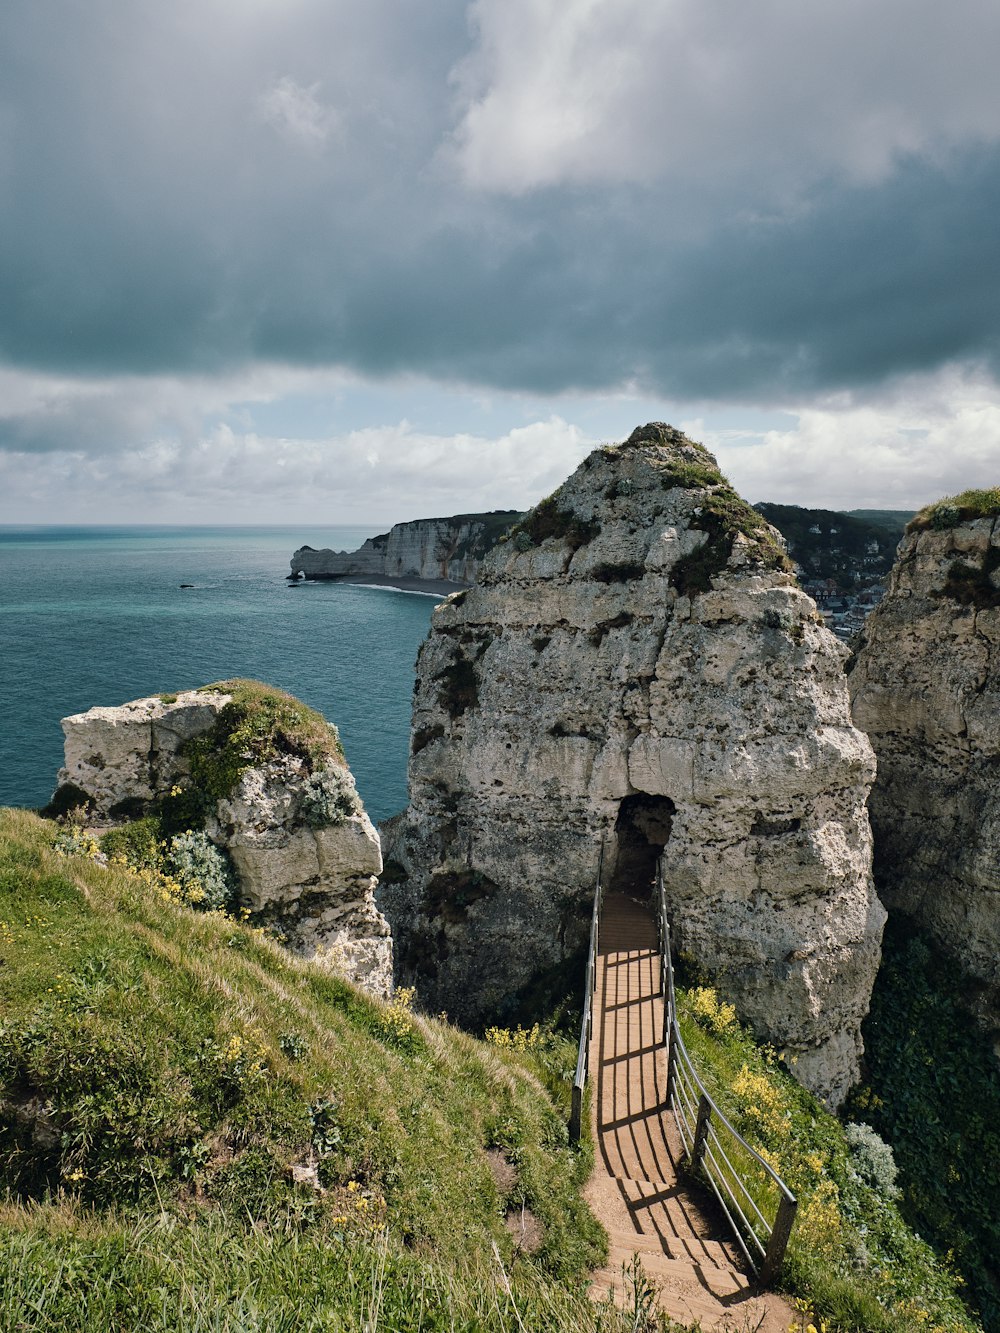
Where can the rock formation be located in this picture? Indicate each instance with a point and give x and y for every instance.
(281, 803)
(429, 548)
(635, 665)
(926, 689)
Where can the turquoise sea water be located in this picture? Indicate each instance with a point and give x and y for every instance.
(97, 616)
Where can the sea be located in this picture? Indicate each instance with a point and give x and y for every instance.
(101, 615)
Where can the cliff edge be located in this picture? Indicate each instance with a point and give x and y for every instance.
(448, 549)
(926, 689)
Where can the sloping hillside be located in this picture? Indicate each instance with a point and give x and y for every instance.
(189, 1112)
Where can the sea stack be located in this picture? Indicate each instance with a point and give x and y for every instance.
(265, 779)
(636, 667)
(926, 689)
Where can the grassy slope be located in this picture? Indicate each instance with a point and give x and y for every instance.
(153, 1056)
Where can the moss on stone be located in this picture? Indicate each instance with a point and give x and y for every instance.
(547, 520)
(724, 515)
(955, 509)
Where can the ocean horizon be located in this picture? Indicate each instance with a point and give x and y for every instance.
(96, 614)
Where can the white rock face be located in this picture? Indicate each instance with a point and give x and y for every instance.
(312, 879)
(926, 689)
(120, 756)
(429, 548)
(583, 690)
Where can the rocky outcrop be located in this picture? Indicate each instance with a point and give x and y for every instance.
(926, 689)
(448, 549)
(305, 853)
(635, 665)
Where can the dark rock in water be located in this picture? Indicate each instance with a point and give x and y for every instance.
(297, 574)
(187, 585)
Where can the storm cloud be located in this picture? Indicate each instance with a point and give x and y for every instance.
(694, 202)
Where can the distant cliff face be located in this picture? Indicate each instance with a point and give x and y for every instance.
(305, 853)
(926, 689)
(429, 548)
(635, 665)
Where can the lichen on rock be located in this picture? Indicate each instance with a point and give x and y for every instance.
(926, 688)
(264, 778)
(642, 669)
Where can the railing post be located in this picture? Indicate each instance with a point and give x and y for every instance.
(701, 1131)
(671, 1061)
(774, 1256)
(576, 1114)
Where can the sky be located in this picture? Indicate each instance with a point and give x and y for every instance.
(324, 261)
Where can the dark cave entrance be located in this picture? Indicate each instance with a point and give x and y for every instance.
(642, 830)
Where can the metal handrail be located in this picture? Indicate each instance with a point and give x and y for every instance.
(701, 1139)
(587, 1021)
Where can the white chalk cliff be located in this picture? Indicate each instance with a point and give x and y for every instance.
(428, 548)
(926, 689)
(635, 665)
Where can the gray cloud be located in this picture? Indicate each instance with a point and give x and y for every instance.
(199, 188)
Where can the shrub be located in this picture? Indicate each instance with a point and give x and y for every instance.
(203, 871)
(138, 843)
(934, 1094)
(872, 1158)
(329, 798)
(851, 1257)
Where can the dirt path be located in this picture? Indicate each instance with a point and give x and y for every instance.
(635, 1190)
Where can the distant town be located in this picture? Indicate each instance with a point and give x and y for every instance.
(842, 559)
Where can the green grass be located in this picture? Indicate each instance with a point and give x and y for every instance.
(159, 1063)
(66, 1270)
(956, 509)
(258, 723)
(852, 1258)
(168, 1077)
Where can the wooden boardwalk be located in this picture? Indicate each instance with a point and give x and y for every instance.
(635, 1190)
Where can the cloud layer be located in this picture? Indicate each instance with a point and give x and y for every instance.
(695, 202)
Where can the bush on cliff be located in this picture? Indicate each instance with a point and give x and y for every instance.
(934, 1092)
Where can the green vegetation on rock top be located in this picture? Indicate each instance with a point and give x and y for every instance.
(724, 515)
(956, 509)
(258, 723)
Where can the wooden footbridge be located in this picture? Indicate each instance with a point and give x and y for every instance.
(664, 1184)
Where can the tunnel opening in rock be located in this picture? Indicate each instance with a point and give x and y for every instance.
(642, 830)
